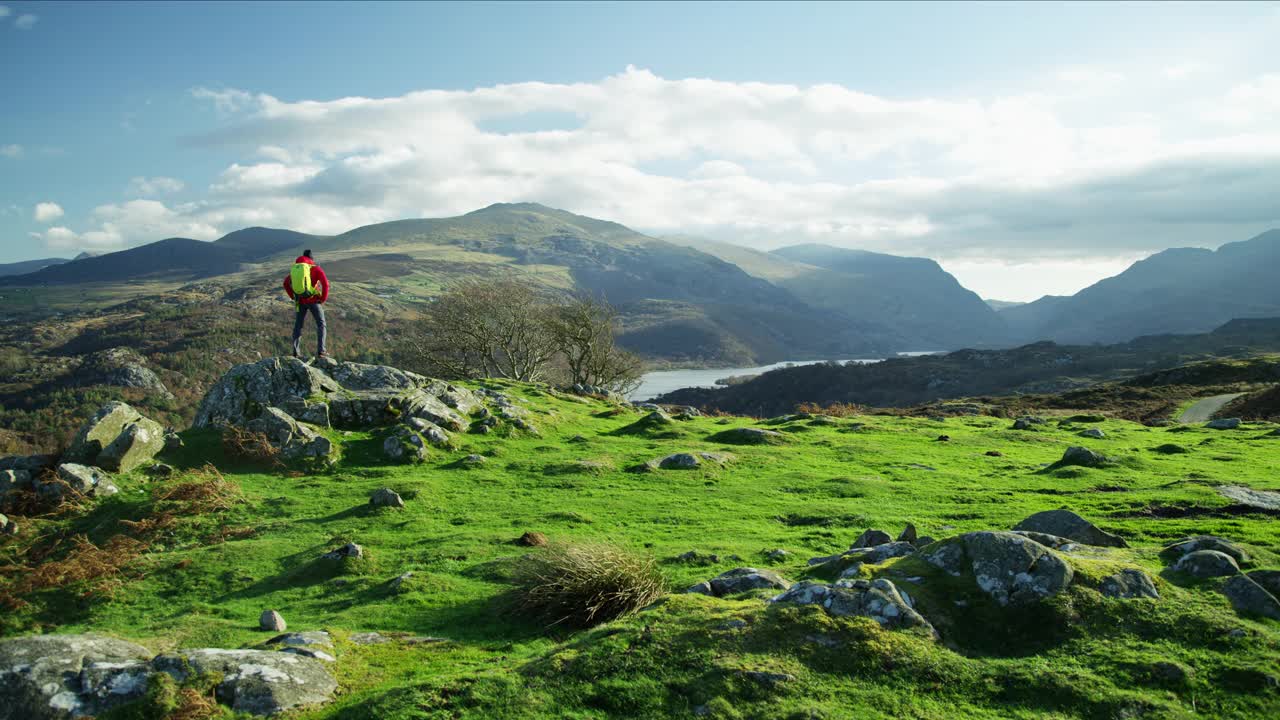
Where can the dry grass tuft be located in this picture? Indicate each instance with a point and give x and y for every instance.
(585, 584)
(840, 410)
(207, 492)
(90, 569)
(252, 447)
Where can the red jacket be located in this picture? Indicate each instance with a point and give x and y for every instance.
(318, 279)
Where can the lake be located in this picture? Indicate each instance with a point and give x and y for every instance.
(653, 384)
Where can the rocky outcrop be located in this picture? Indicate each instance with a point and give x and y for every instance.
(404, 445)
(1066, 524)
(878, 599)
(1128, 584)
(1174, 551)
(72, 480)
(56, 677)
(257, 682)
(117, 438)
(1206, 564)
(294, 440)
(740, 580)
(119, 367)
(1250, 598)
(1010, 568)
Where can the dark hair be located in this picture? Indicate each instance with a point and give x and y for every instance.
(306, 253)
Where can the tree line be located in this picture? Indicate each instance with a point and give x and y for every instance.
(510, 329)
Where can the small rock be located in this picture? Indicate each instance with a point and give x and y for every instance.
(777, 555)
(908, 534)
(173, 441)
(871, 538)
(1170, 449)
(386, 497)
(473, 460)
(1223, 424)
(1084, 457)
(994, 453)
(1066, 524)
(161, 470)
(743, 579)
(369, 638)
(272, 621)
(1204, 542)
(1250, 598)
(693, 557)
(577, 439)
(1206, 564)
(314, 638)
(532, 539)
(702, 588)
(398, 581)
(769, 679)
(943, 438)
(1169, 672)
(748, 436)
(350, 550)
(1094, 433)
(679, 461)
(1129, 583)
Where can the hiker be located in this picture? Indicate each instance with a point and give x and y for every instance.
(308, 288)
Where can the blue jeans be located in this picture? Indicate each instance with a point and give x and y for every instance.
(318, 311)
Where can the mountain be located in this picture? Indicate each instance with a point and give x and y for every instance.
(676, 302)
(927, 307)
(28, 266)
(171, 259)
(999, 305)
(1182, 290)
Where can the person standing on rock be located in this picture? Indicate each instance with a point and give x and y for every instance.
(308, 287)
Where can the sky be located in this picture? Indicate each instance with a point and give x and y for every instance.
(1030, 148)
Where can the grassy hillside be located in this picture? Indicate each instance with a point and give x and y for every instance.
(203, 578)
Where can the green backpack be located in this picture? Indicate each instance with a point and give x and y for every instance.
(300, 280)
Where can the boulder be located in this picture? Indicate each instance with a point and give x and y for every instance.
(1066, 524)
(294, 440)
(386, 497)
(1260, 499)
(1095, 433)
(1268, 579)
(1204, 542)
(79, 479)
(1129, 583)
(877, 599)
(312, 412)
(350, 550)
(679, 461)
(1053, 542)
(1223, 424)
(431, 432)
(908, 534)
(1250, 598)
(57, 677)
(405, 446)
(271, 620)
(257, 682)
(137, 444)
(1010, 568)
(1083, 457)
(240, 395)
(1206, 564)
(748, 436)
(743, 579)
(702, 588)
(871, 538)
(107, 426)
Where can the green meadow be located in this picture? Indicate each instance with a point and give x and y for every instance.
(459, 650)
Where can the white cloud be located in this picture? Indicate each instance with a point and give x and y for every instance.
(61, 238)
(1083, 167)
(149, 187)
(47, 212)
(11, 151)
(25, 21)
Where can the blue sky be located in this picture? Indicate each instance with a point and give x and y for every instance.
(1027, 146)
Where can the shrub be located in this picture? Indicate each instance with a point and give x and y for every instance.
(251, 447)
(585, 584)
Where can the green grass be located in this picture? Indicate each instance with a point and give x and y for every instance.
(1078, 656)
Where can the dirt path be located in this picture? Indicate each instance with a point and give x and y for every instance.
(1204, 409)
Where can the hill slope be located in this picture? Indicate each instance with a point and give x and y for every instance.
(195, 559)
(29, 266)
(1182, 290)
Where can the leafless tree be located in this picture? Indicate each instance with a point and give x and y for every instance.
(584, 330)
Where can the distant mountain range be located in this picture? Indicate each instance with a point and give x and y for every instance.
(1183, 290)
(706, 302)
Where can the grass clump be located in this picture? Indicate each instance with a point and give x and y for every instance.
(584, 584)
(253, 448)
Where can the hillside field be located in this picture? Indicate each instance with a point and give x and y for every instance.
(201, 580)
